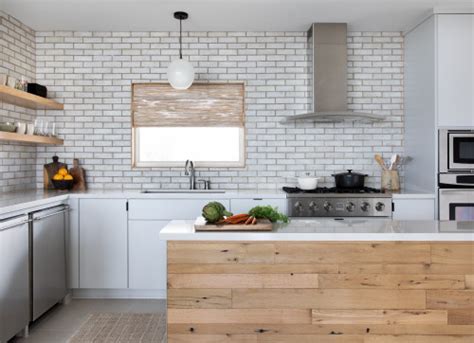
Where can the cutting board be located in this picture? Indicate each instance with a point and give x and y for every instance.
(49, 170)
(79, 175)
(262, 225)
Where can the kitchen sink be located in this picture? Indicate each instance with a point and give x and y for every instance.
(191, 191)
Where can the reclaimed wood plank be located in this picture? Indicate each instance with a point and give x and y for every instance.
(352, 253)
(205, 253)
(417, 339)
(199, 298)
(400, 268)
(310, 339)
(387, 317)
(323, 329)
(461, 317)
(178, 338)
(242, 281)
(191, 268)
(239, 316)
(448, 299)
(395, 281)
(453, 253)
(364, 299)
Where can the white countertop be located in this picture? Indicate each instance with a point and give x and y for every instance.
(26, 200)
(332, 230)
(19, 201)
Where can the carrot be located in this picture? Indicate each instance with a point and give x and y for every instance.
(236, 219)
(249, 220)
(254, 221)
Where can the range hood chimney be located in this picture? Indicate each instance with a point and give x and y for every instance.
(327, 45)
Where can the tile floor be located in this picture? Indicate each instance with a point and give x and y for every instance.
(62, 321)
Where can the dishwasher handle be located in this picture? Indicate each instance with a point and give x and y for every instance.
(64, 210)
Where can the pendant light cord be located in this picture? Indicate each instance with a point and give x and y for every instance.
(180, 40)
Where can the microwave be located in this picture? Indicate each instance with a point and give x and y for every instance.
(456, 151)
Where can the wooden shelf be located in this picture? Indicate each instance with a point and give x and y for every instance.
(24, 99)
(15, 137)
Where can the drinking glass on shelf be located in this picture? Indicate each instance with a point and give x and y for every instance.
(45, 128)
(38, 127)
(52, 133)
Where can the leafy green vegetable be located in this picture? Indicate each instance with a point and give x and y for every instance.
(268, 212)
(214, 211)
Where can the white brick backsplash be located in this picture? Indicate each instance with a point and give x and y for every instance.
(17, 59)
(92, 73)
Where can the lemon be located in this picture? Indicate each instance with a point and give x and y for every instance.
(68, 177)
(58, 177)
(62, 171)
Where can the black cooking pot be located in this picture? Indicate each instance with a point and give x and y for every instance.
(349, 179)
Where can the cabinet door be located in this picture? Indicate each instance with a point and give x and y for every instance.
(169, 209)
(103, 243)
(244, 205)
(455, 56)
(414, 209)
(14, 280)
(147, 255)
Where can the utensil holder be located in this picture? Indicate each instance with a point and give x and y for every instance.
(390, 180)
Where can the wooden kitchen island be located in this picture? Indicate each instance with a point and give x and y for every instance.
(376, 281)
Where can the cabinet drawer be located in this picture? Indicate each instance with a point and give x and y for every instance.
(414, 209)
(244, 205)
(168, 209)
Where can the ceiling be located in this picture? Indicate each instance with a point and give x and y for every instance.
(220, 15)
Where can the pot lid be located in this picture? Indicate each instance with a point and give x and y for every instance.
(349, 173)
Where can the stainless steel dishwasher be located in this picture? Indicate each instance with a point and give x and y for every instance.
(14, 285)
(48, 259)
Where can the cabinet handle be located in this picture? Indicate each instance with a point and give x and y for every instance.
(51, 214)
(257, 198)
(15, 225)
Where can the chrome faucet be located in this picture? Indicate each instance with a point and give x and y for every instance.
(191, 172)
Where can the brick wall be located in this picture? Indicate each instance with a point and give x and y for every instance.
(17, 59)
(91, 72)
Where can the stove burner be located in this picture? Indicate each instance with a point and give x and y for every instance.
(323, 190)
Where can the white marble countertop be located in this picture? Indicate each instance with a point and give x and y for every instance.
(332, 230)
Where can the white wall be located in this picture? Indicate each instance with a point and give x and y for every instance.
(91, 72)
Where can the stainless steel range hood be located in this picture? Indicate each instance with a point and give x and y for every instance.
(327, 51)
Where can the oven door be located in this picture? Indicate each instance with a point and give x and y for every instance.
(461, 151)
(456, 204)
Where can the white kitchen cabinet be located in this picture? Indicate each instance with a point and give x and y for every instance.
(147, 255)
(414, 209)
(169, 209)
(244, 205)
(455, 69)
(103, 243)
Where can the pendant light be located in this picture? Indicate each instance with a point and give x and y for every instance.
(180, 71)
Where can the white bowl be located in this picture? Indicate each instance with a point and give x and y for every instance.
(307, 183)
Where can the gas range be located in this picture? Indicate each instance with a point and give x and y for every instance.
(336, 202)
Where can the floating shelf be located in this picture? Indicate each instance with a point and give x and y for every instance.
(15, 137)
(28, 100)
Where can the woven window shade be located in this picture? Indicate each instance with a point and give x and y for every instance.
(201, 105)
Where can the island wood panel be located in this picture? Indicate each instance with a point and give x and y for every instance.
(322, 329)
(320, 292)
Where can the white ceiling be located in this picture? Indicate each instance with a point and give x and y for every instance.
(220, 15)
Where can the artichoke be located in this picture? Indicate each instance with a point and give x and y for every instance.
(214, 211)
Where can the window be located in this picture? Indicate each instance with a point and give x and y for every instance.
(204, 123)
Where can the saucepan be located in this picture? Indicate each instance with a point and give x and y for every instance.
(307, 182)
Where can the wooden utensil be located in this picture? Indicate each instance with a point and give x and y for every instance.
(49, 170)
(380, 161)
(395, 161)
(79, 176)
